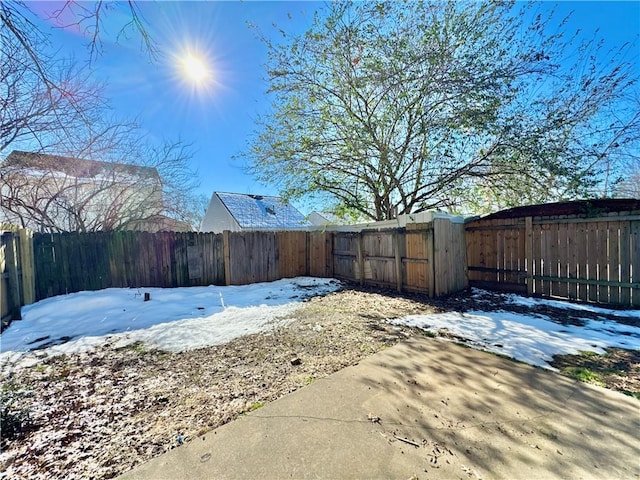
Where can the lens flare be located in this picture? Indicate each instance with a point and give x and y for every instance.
(195, 70)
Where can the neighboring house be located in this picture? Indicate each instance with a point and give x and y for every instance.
(51, 193)
(236, 212)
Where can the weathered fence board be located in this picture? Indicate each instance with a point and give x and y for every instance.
(417, 261)
(292, 254)
(319, 245)
(449, 256)
(583, 242)
(253, 257)
(344, 254)
(572, 258)
(563, 261)
(634, 241)
(71, 262)
(27, 267)
(11, 276)
(379, 258)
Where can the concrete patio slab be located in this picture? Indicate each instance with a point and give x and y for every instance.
(445, 411)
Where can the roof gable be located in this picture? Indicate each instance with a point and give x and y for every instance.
(262, 212)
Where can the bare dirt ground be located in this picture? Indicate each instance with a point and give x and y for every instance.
(100, 413)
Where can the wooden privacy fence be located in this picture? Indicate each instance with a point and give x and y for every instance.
(427, 258)
(590, 253)
(71, 262)
(17, 279)
(590, 256)
(251, 257)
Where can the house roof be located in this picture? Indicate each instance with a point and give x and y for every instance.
(76, 167)
(262, 212)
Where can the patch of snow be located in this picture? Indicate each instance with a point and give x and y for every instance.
(513, 299)
(528, 338)
(185, 318)
(175, 319)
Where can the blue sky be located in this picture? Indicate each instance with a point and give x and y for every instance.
(218, 120)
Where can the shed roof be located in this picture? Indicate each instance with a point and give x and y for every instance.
(588, 208)
(262, 212)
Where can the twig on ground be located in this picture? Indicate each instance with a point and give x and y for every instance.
(406, 440)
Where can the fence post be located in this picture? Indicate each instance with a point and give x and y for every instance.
(360, 256)
(528, 249)
(27, 266)
(396, 248)
(227, 257)
(431, 274)
(13, 282)
(307, 254)
(465, 269)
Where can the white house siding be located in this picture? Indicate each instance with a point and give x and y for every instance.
(217, 218)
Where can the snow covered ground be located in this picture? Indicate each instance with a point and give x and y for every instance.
(175, 319)
(533, 338)
(186, 318)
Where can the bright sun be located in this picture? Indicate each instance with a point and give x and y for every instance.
(194, 69)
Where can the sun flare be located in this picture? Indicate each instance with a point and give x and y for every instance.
(194, 69)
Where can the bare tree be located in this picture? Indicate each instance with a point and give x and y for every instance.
(55, 194)
(88, 17)
(628, 185)
(45, 101)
